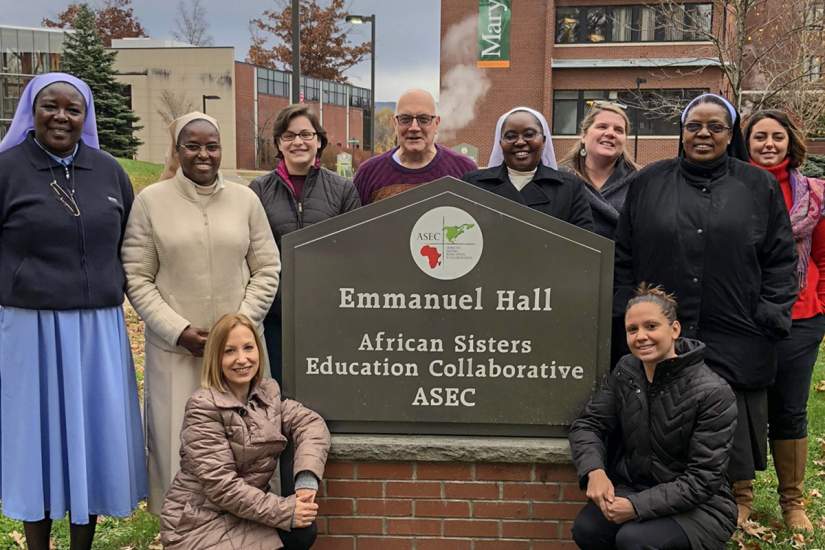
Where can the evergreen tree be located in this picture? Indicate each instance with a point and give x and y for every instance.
(85, 57)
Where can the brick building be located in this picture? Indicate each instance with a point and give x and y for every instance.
(565, 54)
(261, 93)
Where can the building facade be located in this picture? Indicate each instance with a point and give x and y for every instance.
(24, 53)
(566, 54)
(164, 79)
(261, 93)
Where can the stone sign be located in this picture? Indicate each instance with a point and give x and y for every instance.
(446, 310)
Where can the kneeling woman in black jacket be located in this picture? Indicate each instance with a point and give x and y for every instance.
(672, 421)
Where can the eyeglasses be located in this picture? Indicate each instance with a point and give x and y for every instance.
(527, 135)
(197, 147)
(407, 120)
(713, 127)
(305, 135)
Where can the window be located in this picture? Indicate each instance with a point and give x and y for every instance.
(311, 88)
(334, 92)
(360, 97)
(632, 23)
(657, 111)
(272, 82)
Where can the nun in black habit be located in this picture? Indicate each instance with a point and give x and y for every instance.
(714, 230)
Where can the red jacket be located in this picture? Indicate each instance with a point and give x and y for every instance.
(811, 299)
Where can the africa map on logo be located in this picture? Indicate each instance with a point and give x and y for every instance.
(451, 232)
(446, 242)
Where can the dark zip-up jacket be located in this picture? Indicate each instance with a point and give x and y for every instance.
(555, 193)
(675, 434)
(325, 195)
(719, 237)
(49, 258)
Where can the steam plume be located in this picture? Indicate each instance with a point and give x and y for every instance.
(464, 84)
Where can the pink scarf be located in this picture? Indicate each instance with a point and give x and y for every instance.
(805, 211)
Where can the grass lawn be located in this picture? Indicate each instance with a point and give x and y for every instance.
(140, 531)
(141, 173)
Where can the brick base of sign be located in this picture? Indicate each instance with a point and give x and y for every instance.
(421, 505)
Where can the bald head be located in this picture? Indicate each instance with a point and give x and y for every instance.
(418, 98)
(416, 123)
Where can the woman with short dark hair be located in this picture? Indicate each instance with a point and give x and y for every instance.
(777, 145)
(298, 193)
(72, 439)
(713, 229)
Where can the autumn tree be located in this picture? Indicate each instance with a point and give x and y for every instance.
(85, 57)
(326, 52)
(384, 130)
(113, 19)
(191, 24)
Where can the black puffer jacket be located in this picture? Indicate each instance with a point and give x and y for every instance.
(325, 195)
(675, 436)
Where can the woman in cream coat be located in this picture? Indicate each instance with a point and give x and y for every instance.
(196, 247)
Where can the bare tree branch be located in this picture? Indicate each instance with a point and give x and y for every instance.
(191, 24)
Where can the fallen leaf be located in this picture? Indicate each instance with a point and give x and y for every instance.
(19, 539)
(820, 386)
(814, 493)
(798, 540)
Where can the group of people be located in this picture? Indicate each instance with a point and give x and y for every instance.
(667, 448)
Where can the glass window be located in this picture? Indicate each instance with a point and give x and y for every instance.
(622, 24)
(647, 24)
(698, 21)
(633, 23)
(565, 113)
(567, 25)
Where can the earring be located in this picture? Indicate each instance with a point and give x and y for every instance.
(582, 151)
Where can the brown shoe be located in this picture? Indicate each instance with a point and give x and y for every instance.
(743, 494)
(790, 457)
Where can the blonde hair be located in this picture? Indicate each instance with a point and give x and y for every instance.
(212, 371)
(574, 160)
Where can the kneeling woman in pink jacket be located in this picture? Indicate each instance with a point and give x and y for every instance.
(234, 428)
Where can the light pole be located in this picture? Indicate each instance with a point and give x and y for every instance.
(205, 97)
(639, 82)
(296, 51)
(359, 20)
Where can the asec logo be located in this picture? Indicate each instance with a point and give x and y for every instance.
(446, 243)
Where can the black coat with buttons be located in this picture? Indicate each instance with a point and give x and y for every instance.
(553, 192)
(673, 437)
(719, 237)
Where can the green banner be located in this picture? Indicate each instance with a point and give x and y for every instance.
(494, 33)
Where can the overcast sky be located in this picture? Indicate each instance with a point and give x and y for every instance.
(407, 41)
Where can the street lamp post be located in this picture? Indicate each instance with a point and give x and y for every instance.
(296, 51)
(639, 82)
(205, 97)
(359, 20)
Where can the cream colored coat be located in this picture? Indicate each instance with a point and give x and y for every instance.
(190, 259)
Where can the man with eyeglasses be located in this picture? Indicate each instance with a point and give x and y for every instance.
(417, 159)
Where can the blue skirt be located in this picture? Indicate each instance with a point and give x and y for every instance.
(70, 431)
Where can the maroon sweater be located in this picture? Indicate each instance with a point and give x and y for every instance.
(381, 176)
